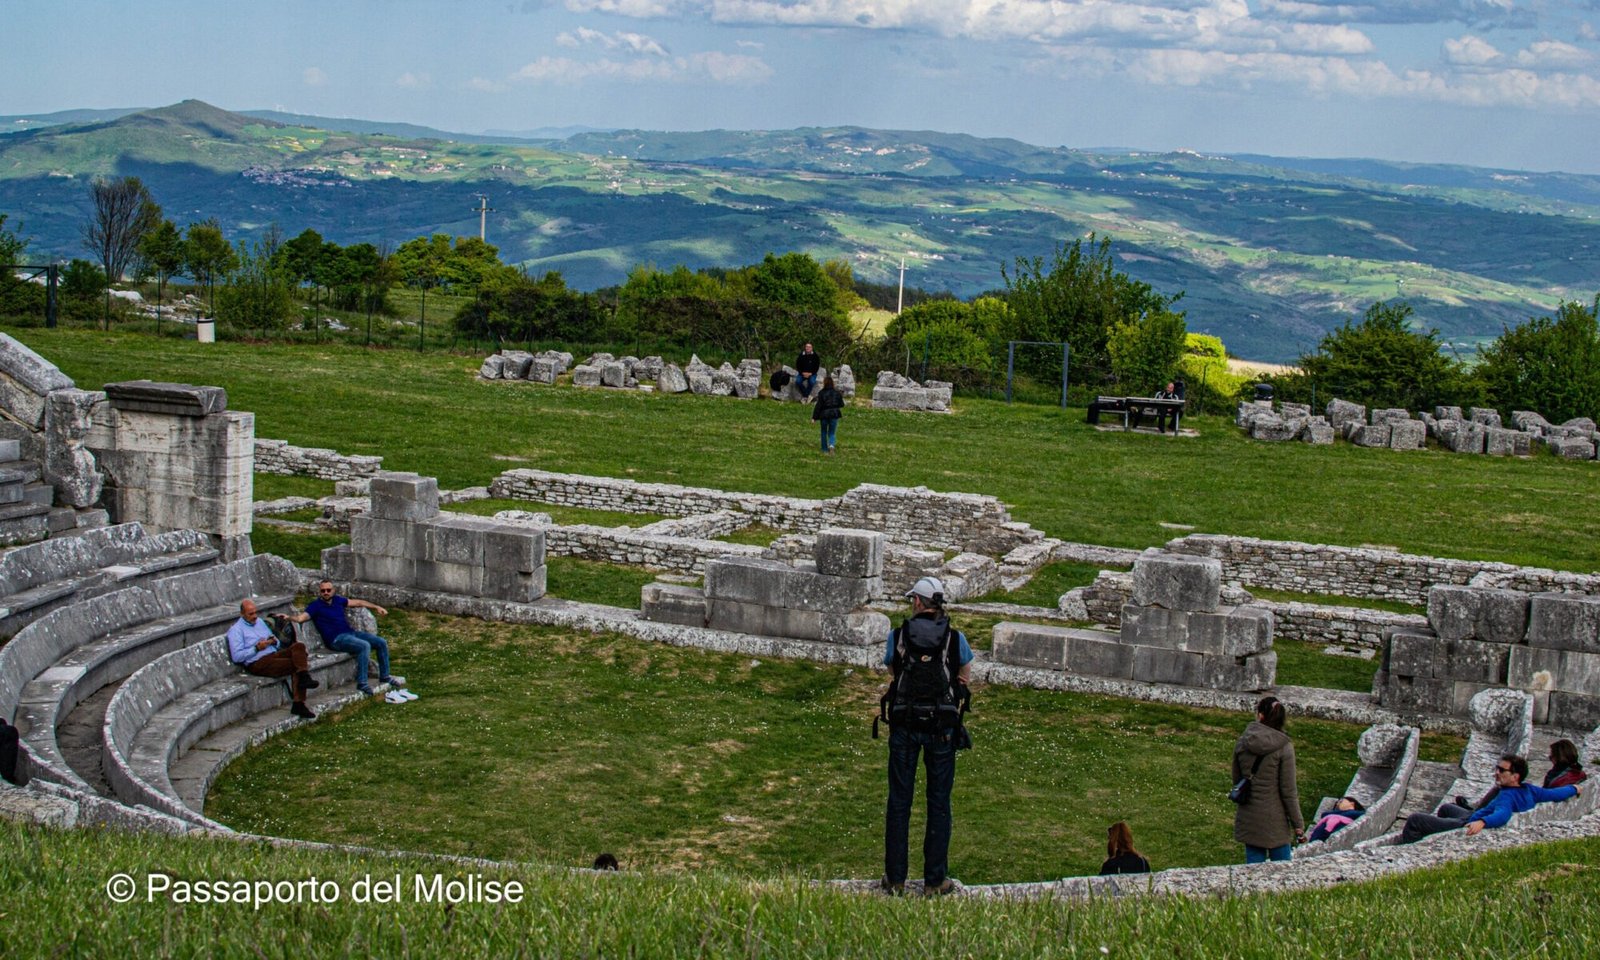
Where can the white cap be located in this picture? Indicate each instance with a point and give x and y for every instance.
(926, 588)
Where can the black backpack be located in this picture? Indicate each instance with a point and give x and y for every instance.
(779, 380)
(926, 695)
(13, 757)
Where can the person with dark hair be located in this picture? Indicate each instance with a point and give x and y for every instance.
(1510, 796)
(1345, 812)
(1565, 770)
(1270, 821)
(606, 861)
(829, 408)
(1121, 857)
(929, 664)
(806, 366)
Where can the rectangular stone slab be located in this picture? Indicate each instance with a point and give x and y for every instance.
(177, 399)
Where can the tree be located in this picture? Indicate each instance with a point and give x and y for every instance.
(12, 246)
(161, 250)
(121, 213)
(1078, 296)
(256, 295)
(207, 255)
(796, 280)
(419, 263)
(1547, 365)
(1145, 351)
(1382, 362)
(16, 297)
(81, 284)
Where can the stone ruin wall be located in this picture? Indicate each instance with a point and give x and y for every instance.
(285, 459)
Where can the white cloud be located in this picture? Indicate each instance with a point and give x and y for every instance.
(1470, 51)
(485, 85)
(636, 43)
(1554, 55)
(314, 77)
(724, 68)
(414, 81)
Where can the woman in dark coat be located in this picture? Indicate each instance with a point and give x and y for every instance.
(1270, 821)
(826, 411)
(1121, 857)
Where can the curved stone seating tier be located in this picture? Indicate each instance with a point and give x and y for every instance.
(55, 662)
(38, 577)
(180, 698)
(1388, 757)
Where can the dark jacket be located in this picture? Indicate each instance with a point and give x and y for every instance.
(829, 404)
(1124, 863)
(1272, 817)
(808, 362)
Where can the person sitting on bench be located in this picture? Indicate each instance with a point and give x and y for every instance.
(252, 645)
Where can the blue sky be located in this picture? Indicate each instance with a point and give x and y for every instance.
(1506, 83)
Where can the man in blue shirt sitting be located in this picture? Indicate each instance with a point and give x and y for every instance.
(252, 645)
(1514, 796)
(327, 611)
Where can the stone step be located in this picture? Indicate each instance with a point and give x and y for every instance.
(10, 450)
(28, 470)
(40, 493)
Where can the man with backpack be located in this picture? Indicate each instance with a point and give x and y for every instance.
(929, 663)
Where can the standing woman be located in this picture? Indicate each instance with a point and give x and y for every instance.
(1270, 821)
(826, 411)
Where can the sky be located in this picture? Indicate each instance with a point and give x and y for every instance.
(1493, 83)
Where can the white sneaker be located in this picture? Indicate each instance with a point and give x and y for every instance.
(407, 694)
(394, 696)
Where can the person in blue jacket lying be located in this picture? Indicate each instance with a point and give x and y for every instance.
(1514, 797)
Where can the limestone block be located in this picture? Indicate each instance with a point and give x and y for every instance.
(1027, 645)
(746, 388)
(1500, 442)
(1177, 582)
(844, 380)
(1464, 613)
(1447, 413)
(397, 571)
(1149, 626)
(723, 379)
(584, 375)
(516, 364)
(672, 380)
(21, 365)
(699, 381)
(845, 552)
(1573, 711)
(824, 594)
(1570, 448)
(1540, 670)
(1272, 429)
(462, 578)
(747, 580)
(862, 628)
(1462, 436)
(1341, 412)
(1099, 655)
(1407, 435)
(1564, 621)
(1409, 653)
(1370, 435)
(1294, 411)
(1413, 695)
(172, 399)
(339, 563)
(499, 583)
(543, 370)
(404, 496)
(1390, 415)
(513, 547)
(69, 467)
(1522, 445)
(1230, 632)
(1485, 415)
(1498, 711)
(596, 359)
(1581, 424)
(1155, 665)
(1528, 421)
(1250, 409)
(736, 616)
(1253, 673)
(788, 622)
(454, 539)
(493, 367)
(1317, 430)
(673, 603)
(375, 536)
(647, 369)
(613, 373)
(1382, 745)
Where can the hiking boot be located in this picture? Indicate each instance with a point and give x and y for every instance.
(299, 709)
(947, 887)
(892, 889)
(307, 681)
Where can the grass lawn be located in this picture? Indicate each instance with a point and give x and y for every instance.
(1305, 665)
(559, 514)
(1048, 584)
(544, 745)
(1530, 902)
(427, 412)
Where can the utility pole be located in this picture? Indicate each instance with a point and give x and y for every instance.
(483, 209)
(900, 303)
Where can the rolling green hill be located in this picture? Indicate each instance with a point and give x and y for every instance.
(1268, 253)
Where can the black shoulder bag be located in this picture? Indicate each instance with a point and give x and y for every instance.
(1240, 793)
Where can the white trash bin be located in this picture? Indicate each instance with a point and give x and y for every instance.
(205, 331)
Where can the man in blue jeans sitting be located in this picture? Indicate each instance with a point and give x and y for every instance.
(929, 664)
(327, 611)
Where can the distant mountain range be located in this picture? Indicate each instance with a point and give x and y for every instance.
(1269, 252)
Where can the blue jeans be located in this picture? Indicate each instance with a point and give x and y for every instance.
(805, 383)
(829, 429)
(361, 645)
(1263, 854)
(939, 757)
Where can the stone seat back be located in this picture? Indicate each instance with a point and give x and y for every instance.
(1388, 758)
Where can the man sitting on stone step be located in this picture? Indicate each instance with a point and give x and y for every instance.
(1514, 796)
(252, 645)
(327, 611)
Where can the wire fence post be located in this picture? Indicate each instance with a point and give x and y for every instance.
(1063, 376)
(1011, 366)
